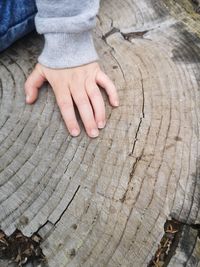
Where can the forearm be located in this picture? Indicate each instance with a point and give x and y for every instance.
(67, 27)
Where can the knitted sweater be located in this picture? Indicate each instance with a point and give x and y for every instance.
(67, 27)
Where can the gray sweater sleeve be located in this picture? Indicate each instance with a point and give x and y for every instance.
(67, 27)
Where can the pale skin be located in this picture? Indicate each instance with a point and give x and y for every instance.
(76, 86)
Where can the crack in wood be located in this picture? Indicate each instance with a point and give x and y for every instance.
(127, 36)
(140, 122)
(123, 199)
(112, 49)
(168, 243)
(109, 33)
(67, 205)
(173, 230)
(134, 143)
(60, 217)
(132, 35)
(21, 249)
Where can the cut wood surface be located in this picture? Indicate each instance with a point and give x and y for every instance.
(104, 202)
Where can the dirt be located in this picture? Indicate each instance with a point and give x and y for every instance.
(21, 249)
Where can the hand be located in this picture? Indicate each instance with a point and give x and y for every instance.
(77, 85)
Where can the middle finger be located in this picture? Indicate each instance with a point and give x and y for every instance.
(84, 107)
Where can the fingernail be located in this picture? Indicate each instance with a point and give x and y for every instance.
(101, 124)
(28, 98)
(116, 103)
(94, 132)
(75, 132)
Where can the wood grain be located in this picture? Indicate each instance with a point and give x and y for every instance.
(104, 202)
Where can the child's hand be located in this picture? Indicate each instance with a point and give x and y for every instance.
(79, 85)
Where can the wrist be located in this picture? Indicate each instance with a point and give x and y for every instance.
(67, 50)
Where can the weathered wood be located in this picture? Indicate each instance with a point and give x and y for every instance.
(187, 253)
(104, 202)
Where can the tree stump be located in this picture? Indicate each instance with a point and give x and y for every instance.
(104, 201)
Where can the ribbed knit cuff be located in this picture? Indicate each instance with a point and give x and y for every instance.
(67, 50)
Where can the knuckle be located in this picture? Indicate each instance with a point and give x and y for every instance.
(74, 77)
(94, 94)
(81, 101)
(88, 80)
(77, 77)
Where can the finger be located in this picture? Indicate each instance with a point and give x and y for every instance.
(32, 85)
(97, 102)
(104, 81)
(66, 107)
(84, 107)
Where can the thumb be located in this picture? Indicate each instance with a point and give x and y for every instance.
(33, 83)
